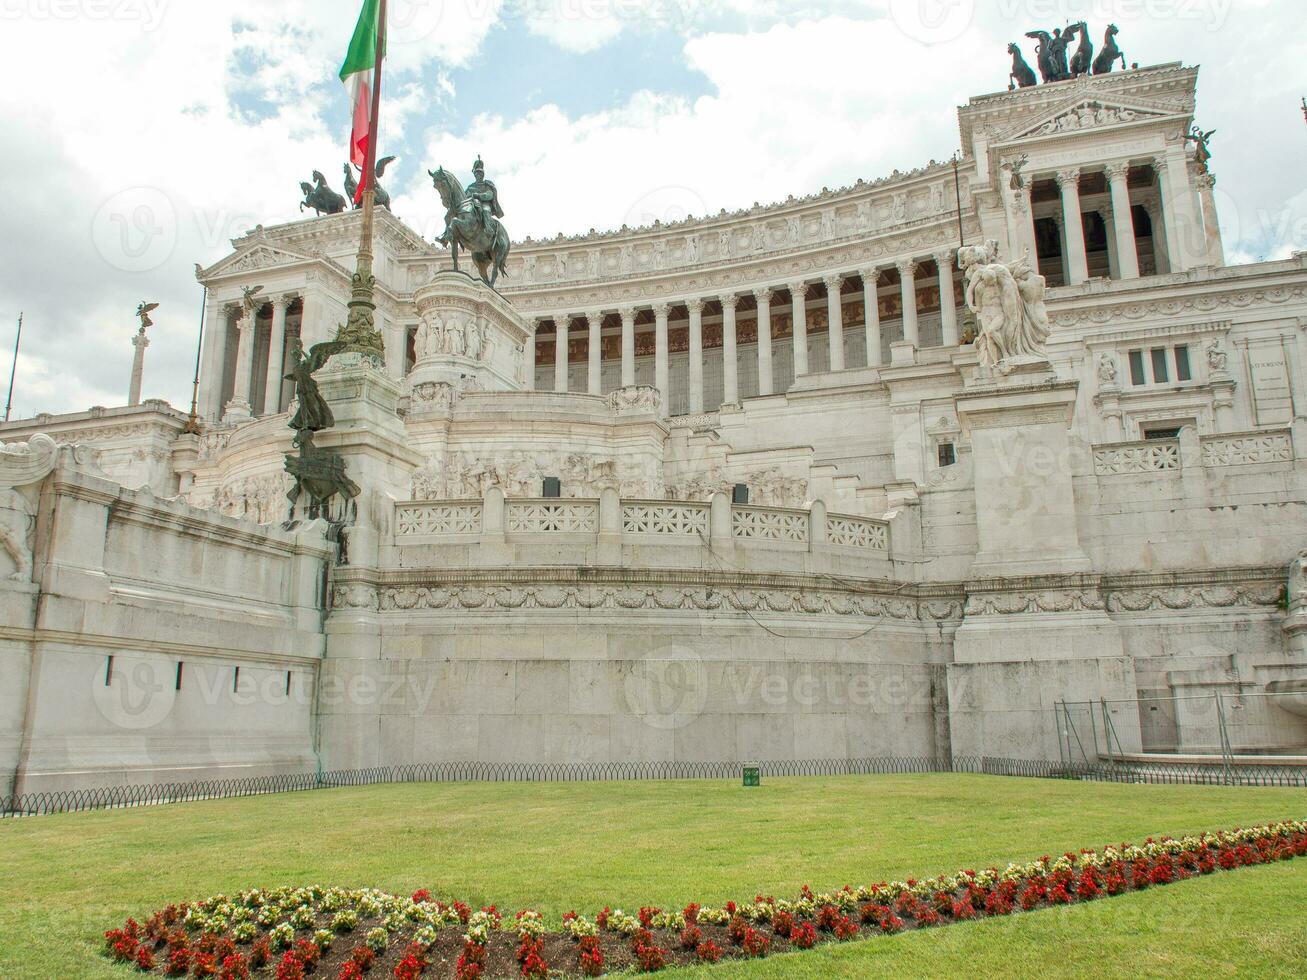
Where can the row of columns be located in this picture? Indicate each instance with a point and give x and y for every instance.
(871, 278)
(1181, 215)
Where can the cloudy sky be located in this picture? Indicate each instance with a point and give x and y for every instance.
(140, 136)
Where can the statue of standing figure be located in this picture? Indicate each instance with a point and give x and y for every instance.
(1008, 303)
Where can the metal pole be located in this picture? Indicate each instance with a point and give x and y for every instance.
(13, 370)
(957, 189)
(193, 422)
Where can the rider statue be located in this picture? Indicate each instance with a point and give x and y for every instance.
(484, 195)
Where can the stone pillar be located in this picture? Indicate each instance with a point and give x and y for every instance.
(1034, 617)
(799, 306)
(277, 355)
(1160, 260)
(561, 325)
(871, 315)
(395, 339)
(763, 296)
(217, 320)
(948, 301)
(907, 274)
(596, 353)
(730, 358)
(835, 318)
(1025, 221)
(662, 373)
(695, 306)
(139, 343)
(1109, 227)
(1077, 262)
(1186, 242)
(1123, 221)
(1211, 222)
(628, 346)
(238, 409)
(529, 356)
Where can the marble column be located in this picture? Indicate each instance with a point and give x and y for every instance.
(799, 307)
(765, 384)
(217, 320)
(394, 337)
(1077, 262)
(529, 356)
(695, 307)
(628, 346)
(871, 315)
(238, 409)
(1211, 221)
(835, 319)
(561, 352)
(596, 353)
(1123, 221)
(948, 301)
(908, 286)
(276, 355)
(139, 343)
(1181, 224)
(730, 357)
(662, 373)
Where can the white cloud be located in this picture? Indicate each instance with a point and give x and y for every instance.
(802, 98)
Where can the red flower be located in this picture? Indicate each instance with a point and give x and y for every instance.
(261, 953)
(144, 959)
(804, 936)
(179, 962)
(362, 957)
(691, 937)
(651, 958)
(890, 924)
(421, 895)
(827, 916)
(290, 967)
(471, 962)
(647, 916)
(234, 967)
(737, 929)
(709, 952)
(350, 971)
(592, 957)
(204, 965)
(601, 920)
(782, 923)
(756, 943)
(691, 914)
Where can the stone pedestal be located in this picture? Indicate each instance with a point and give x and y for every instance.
(1035, 629)
(371, 438)
(1019, 430)
(469, 336)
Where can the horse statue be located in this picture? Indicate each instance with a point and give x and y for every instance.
(466, 226)
(1083, 60)
(321, 198)
(1109, 54)
(381, 198)
(1022, 75)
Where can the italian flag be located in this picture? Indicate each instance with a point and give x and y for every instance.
(357, 74)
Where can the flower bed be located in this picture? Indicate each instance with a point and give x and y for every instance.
(292, 933)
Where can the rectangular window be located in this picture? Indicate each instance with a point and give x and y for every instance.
(236, 681)
(1137, 368)
(1171, 433)
(288, 683)
(180, 665)
(947, 454)
(108, 670)
(1182, 370)
(740, 495)
(553, 488)
(1160, 374)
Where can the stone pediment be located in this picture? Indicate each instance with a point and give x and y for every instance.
(1084, 114)
(254, 257)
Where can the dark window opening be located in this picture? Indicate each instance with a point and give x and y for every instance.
(1182, 370)
(740, 495)
(1171, 433)
(553, 488)
(1137, 368)
(180, 665)
(1160, 373)
(108, 670)
(947, 454)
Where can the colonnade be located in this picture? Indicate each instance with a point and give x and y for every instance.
(766, 298)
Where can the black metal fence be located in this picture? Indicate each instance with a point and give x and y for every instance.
(117, 797)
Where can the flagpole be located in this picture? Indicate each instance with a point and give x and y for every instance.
(192, 426)
(13, 370)
(360, 333)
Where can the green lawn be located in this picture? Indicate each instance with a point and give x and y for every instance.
(555, 847)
